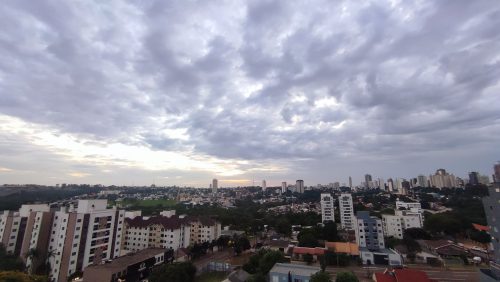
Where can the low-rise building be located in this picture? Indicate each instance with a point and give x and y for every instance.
(131, 267)
(292, 272)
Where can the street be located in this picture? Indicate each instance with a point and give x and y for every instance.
(441, 275)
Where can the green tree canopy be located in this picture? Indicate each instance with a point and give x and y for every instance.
(307, 238)
(269, 260)
(177, 272)
(9, 261)
(346, 277)
(321, 276)
(329, 232)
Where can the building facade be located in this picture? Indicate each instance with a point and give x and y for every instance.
(327, 208)
(395, 225)
(346, 211)
(172, 232)
(25, 231)
(283, 187)
(369, 231)
(442, 179)
(299, 186)
(215, 185)
(89, 234)
(491, 205)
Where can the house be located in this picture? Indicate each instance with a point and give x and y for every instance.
(284, 272)
(279, 245)
(299, 252)
(442, 248)
(402, 275)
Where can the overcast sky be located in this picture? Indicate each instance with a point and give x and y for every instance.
(180, 92)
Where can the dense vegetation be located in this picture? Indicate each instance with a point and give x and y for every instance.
(43, 195)
(176, 272)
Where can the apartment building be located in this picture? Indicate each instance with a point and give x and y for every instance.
(171, 232)
(369, 231)
(346, 211)
(24, 230)
(88, 234)
(156, 232)
(410, 209)
(203, 229)
(395, 225)
(327, 208)
(370, 238)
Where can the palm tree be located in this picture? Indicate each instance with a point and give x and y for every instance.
(31, 255)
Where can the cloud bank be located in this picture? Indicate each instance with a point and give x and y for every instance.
(183, 91)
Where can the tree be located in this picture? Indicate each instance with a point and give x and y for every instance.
(9, 261)
(308, 258)
(447, 223)
(177, 272)
(307, 239)
(16, 276)
(320, 276)
(417, 234)
(269, 260)
(329, 231)
(346, 277)
(480, 236)
(257, 277)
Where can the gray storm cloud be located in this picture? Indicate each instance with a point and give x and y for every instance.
(409, 86)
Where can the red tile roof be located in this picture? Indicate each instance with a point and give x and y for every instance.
(311, 251)
(411, 275)
(480, 227)
(384, 277)
(402, 275)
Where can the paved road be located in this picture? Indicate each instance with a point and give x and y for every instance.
(441, 275)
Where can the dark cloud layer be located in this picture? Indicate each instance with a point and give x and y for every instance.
(324, 84)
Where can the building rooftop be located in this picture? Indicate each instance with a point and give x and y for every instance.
(343, 247)
(311, 251)
(122, 262)
(402, 275)
(297, 269)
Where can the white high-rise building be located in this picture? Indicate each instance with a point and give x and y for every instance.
(88, 235)
(422, 181)
(381, 184)
(215, 185)
(346, 211)
(264, 186)
(390, 185)
(25, 230)
(283, 187)
(327, 208)
(299, 188)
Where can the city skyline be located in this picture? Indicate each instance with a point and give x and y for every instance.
(114, 93)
